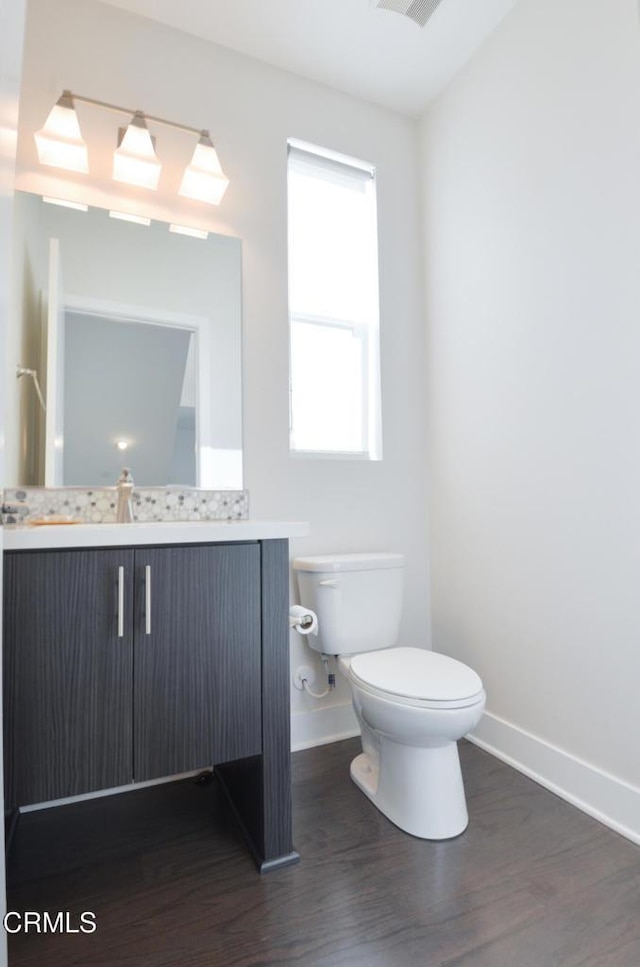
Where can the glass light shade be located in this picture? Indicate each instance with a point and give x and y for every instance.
(59, 142)
(204, 179)
(135, 161)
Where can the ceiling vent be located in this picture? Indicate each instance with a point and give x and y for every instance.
(417, 10)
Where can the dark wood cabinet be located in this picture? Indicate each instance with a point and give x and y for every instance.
(129, 664)
(197, 663)
(68, 676)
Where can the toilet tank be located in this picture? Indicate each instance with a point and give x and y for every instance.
(357, 598)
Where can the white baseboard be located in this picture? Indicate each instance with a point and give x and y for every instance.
(604, 797)
(321, 726)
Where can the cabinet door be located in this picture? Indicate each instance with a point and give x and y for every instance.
(196, 657)
(67, 673)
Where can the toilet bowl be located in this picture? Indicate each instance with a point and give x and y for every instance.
(412, 705)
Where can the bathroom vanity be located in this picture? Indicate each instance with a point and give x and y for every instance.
(140, 651)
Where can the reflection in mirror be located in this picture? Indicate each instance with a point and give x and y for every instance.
(145, 373)
(141, 351)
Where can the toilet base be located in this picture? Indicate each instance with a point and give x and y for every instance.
(418, 789)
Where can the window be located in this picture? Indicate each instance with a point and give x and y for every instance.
(333, 305)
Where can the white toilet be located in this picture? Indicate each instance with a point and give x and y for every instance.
(412, 705)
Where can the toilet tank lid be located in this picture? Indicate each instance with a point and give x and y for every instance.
(348, 562)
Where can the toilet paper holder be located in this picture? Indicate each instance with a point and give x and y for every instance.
(303, 620)
(303, 623)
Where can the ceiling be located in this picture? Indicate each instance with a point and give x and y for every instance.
(350, 45)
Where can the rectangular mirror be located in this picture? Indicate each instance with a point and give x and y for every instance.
(137, 336)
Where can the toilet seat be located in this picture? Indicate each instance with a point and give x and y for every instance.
(416, 677)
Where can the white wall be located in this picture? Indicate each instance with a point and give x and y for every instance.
(531, 167)
(251, 110)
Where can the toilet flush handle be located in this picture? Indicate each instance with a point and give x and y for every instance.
(329, 583)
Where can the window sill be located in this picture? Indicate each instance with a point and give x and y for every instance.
(332, 455)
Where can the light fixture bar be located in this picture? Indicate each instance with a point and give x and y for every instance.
(130, 112)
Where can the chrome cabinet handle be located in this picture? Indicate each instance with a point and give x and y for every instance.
(121, 602)
(147, 599)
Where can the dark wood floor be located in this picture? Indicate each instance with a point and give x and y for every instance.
(531, 883)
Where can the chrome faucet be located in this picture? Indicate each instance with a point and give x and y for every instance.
(125, 485)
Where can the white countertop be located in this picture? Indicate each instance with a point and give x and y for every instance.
(26, 537)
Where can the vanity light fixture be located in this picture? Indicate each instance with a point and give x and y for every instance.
(204, 179)
(59, 142)
(128, 217)
(65, 203)
(122, 444)
(135, 162)
(186, 230)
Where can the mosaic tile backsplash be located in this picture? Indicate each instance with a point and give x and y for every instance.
(98, 504)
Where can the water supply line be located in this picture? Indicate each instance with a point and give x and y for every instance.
(305, 622)
(331, 682)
